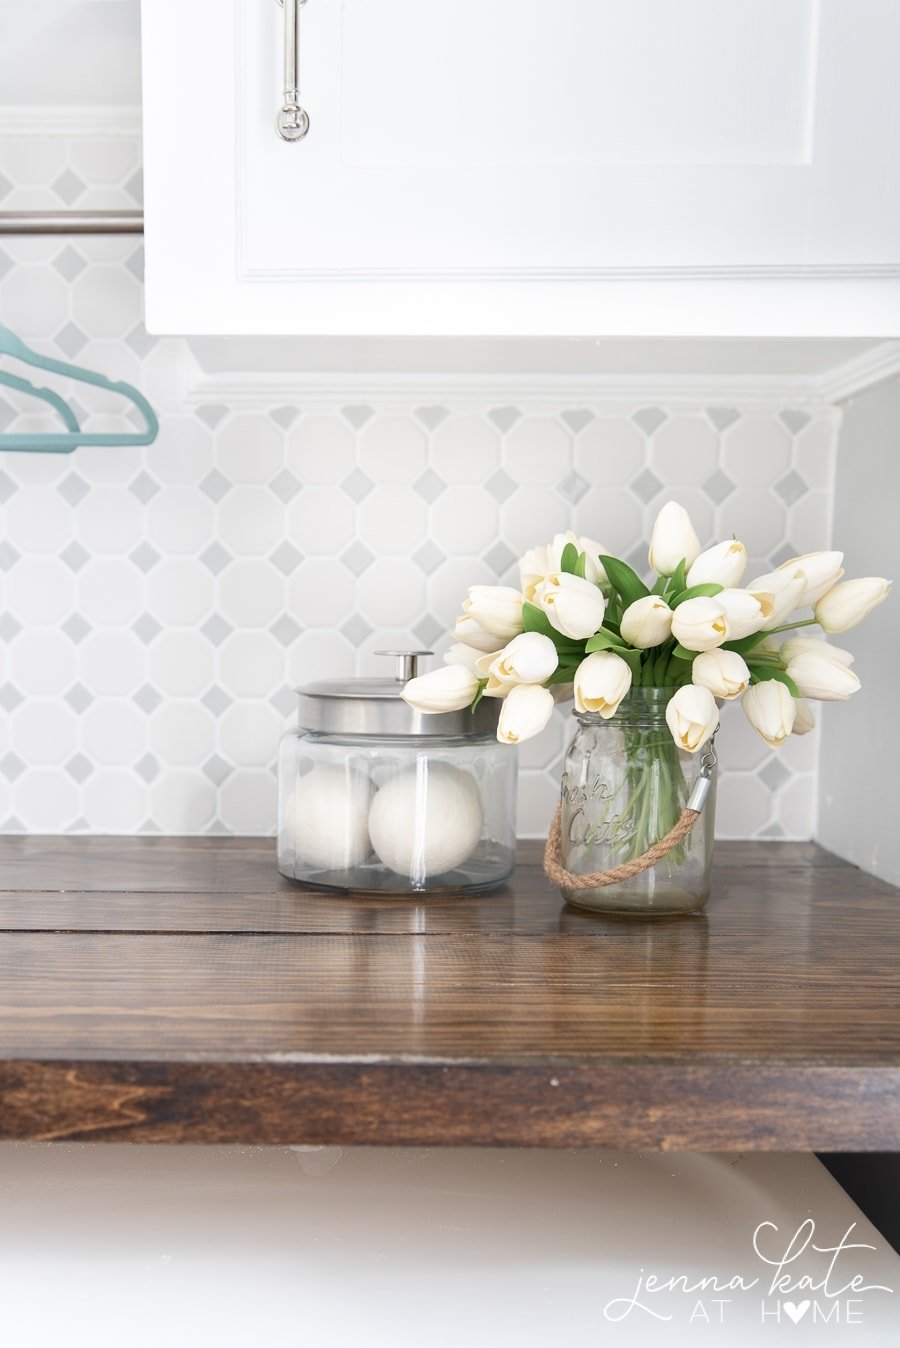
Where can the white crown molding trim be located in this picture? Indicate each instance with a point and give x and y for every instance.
(536, 392)
(801, 273)
(87, 121)
(862, 372)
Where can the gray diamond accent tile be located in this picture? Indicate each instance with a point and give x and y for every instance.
(5, 187)
(718, 486)
(431, 417)
(357, 558)
(212, 414)
(146, 628)
(576, 418)
(357, 485)
(285, 485)
(9, 628)
(646, 485)
(8, 488)
(428, 557)
(356, 630)
(79, 768)
(722, 417)
(73, 489)
(217, 769)
(75, 556)
(12, 766)
(573, 487)
(357, 414)
(286, 629)
(145, 557)
(76, 628)
(78, 698)
(286, 557)
(13, 824)
(649, 419)
(8, 555)
(500, 558)
(504, 418)
(217, 829)
(134, 187)
(148, 698)
(284, 701)
(10, 697)
(70, 340)
(783, 554)
(147, 768)
(80, 825)
(774, 774)
(8, 414)
(149, 826)
(69, 263)
(68, 186)
(428, 630)
(284, 416)
(794, 419)
(771, 831)
(144, 488)
(216, 629)
(791, 487)
(215, 485)
(215, 558)
(216, 700)
(141, 341)
(135, 263)
(429, 486)
(500, 485)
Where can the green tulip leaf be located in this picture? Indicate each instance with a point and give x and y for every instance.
(621, 577)
(746, 644)
(762, 672)
(678, 579)
(707, 591)
(569, 559)
(605, 641)
(581, 565)
(682, 653)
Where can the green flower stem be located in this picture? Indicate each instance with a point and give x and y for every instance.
(789, 627)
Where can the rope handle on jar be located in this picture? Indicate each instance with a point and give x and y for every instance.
(558, 875)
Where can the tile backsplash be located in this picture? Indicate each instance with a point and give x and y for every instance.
(159, 605)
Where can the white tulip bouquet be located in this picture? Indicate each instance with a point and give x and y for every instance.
(584, 624)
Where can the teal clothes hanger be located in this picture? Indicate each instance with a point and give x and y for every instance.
(63, 442)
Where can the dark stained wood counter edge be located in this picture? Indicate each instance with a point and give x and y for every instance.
(720, 1107)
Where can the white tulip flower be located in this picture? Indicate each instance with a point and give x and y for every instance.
(673, 540)
(573, 606)
(601, 681)
(771, 711)
(804, 721)
(794, 646)
(496, 608)
(692, 716)
(826, 680)
(468, 632)
(700, 624)
(820, 569)
(724, 673)
(743, 613)
(592, 550)
(534, 567)
(449, 688)
(647, 622)
(460, 654)
(529, 658)
(525, 712)
(779, 593)
(723, 564)
(845, 605)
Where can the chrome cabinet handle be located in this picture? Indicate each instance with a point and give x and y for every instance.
(292, 122)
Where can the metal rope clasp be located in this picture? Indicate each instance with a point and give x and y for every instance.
(703, 785)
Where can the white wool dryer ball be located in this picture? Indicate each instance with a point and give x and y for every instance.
(426, 820)
(328, 814)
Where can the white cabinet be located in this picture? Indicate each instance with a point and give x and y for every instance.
(512, 167)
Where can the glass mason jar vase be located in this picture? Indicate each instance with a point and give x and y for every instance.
(375, 797)
(624, 787)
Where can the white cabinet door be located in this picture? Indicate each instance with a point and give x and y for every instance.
(518, 167)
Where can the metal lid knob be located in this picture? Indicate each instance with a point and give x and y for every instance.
(407, 663)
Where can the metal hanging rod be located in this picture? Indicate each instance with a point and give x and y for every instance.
(71, 222)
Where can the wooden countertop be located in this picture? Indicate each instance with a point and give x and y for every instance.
(179, 990)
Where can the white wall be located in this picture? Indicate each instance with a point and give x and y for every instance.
(858, 793)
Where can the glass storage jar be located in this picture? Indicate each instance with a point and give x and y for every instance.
(625, 785)
(376, 797)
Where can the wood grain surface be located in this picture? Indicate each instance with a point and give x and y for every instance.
(180, 990)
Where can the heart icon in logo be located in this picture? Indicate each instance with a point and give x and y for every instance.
(795, 1312)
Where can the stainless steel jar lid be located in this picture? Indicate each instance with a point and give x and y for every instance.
(375, 707)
